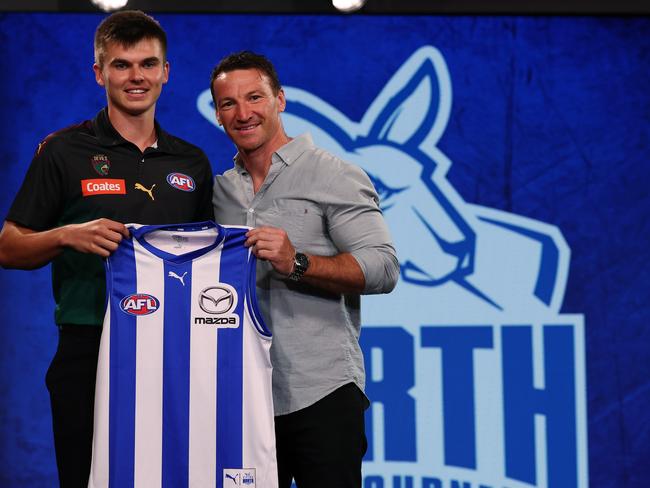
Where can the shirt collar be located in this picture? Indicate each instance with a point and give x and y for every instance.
(293, 149)
(287, 154)
(108, 135)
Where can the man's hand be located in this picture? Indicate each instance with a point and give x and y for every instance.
(340, 273)
(101, 236)
(25, 248)
(273, 245)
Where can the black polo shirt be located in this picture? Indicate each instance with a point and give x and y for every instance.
(88, 171)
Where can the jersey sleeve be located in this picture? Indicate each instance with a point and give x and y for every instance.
(39, 200)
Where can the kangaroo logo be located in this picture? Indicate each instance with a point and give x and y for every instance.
(149, 191)
(435, 231)
(455, 352)
(179, 278)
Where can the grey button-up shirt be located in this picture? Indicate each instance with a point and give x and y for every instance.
(326, 206)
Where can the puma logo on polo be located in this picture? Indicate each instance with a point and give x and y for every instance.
(138, 186)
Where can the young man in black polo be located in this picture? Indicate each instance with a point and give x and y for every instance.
(83, 184)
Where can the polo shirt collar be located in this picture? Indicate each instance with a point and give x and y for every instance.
(108, 135)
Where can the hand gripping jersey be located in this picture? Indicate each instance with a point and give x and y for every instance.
(183, 394)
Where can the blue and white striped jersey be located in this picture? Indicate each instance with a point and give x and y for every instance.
(183, 394)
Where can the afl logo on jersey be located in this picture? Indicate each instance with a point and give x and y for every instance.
(181, 182)
(139, 304)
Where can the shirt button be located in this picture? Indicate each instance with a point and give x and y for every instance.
(251, 210)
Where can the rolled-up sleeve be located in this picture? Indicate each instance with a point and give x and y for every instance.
(356, 225)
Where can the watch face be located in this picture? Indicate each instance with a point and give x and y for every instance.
(301, 263)
(302, 260)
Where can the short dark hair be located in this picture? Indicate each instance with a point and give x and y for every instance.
(127, 27)
(246, 60)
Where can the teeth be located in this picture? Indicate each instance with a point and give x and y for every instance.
(136, 91)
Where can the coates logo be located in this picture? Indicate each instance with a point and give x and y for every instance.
(101, 164)
(181, 182)
(139, 304)
(102, 186)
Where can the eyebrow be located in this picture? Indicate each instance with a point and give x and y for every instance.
(151, 59)
(247, 94)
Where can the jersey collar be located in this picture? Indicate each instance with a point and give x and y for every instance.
(139, 233)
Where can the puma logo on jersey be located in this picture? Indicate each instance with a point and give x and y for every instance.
(149, 191)
(235, 478)
(179, 278)
(240, 477)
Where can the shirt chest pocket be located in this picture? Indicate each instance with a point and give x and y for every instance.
(303, 221)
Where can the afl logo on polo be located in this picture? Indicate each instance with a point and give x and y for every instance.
(181, 182)
(139, 304)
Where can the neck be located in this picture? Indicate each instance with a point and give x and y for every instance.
(258, 161)
(138, 129)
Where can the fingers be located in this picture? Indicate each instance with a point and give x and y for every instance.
(106, 235)
(265, 234)
(267, 238)
(101, 236)
(112, 225)
(272, 244)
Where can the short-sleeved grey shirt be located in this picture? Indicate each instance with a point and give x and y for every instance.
(326, 206)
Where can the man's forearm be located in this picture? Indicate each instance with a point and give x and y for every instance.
(24, 248)
(336, 274)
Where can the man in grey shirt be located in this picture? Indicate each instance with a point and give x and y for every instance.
(322, 241)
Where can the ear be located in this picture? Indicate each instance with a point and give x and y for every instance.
(216, 113)
(166, 72)
(99, 77)
(282, 101)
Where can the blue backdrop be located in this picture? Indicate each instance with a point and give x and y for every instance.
(512, 158)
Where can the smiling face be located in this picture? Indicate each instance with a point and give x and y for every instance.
(133, 76)
(249, 110)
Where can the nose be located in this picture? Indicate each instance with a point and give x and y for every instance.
(136, 73)
(243, 112)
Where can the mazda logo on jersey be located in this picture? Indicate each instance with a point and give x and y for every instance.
(218, 301)
(139, 304)
(181, 182)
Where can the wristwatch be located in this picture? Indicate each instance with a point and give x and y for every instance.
(300, 266)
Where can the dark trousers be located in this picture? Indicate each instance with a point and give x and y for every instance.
(323, 445)
(70, 380)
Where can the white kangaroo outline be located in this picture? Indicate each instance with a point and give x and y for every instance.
(439, 236)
